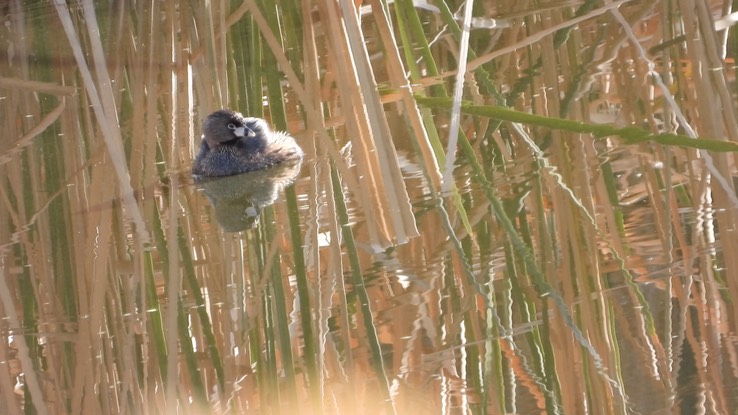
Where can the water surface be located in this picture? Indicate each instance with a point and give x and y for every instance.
(561, 273)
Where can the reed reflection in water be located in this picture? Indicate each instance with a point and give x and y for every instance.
(559, 271)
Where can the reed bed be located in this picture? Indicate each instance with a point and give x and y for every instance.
(533, 215)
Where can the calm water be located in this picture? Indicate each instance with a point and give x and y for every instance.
(561, 274)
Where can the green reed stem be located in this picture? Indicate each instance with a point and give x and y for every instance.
(152, 298)
(359, 287)
(629, 135)
(185, 344)
(207, 327)
(309, 352)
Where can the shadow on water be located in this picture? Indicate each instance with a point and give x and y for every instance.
(563, 266)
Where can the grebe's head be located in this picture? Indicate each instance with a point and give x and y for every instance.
(226, 127)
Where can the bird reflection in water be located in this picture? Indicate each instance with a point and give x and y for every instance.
(238, 200)
(242, 165)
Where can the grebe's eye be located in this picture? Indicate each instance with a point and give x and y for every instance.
(231, 126)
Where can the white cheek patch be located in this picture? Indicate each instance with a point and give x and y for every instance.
(240, 132)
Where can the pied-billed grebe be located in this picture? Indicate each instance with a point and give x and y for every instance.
(234, 144)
